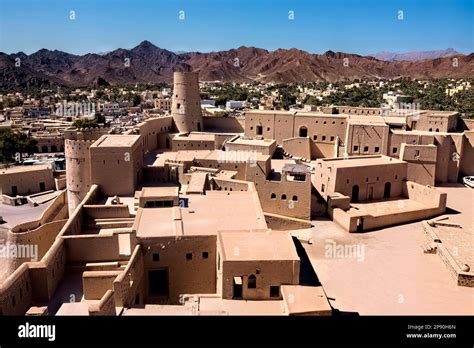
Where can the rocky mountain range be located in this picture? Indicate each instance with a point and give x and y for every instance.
(147, 63)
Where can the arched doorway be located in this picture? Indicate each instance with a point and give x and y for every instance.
(387, 189)
(355, 193)
(252, 282)
(303, 132)
(44, 148)
(54, 148)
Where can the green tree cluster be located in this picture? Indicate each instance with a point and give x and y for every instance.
(89, 122)
(13, 145)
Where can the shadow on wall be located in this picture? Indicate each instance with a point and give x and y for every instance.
(308, 276)
(223, 124)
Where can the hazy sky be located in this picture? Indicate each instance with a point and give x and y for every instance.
(355, 26)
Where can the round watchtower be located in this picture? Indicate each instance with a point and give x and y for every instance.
(186, 106)
(78, 164)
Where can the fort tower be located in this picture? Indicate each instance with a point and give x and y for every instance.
(186, 106)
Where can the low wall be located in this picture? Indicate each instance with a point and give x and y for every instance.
(231, 185)
(37, 281)
(343, 219)
(43, 237)
(51, 268)
(127, 284)
(107, 211)
(434, 204)
(60, 183)
(55, 208)
(426, 195)
(93, 248)
(16, 292)
(74, 224)
(5, 199)
(467, 157)
(339, 201)
(374, 222)
(96, 283)
(33, 281)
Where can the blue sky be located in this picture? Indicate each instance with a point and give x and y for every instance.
(355, 26)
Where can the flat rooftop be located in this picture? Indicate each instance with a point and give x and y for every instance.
(391, 267)
(161, 191)
(257, 245)
(191, 155)
(360, 161)
(394, 120)
(459, 242)
(180, 156)
(295, 113)
(366, 120)
(205, 215)
(305, 299)
(320, 114)
(116, 140)
(252, 141)
(270, 112)
(438, 113)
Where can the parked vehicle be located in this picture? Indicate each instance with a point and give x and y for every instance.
(468, 181)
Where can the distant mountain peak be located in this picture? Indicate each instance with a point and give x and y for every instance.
(415, 55)
(146, 44)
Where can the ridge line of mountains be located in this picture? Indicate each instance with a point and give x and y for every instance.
(151, 64)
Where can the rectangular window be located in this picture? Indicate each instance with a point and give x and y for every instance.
(366, 148)
(274, 291)
(205, 255)
(394, 150)
(332, 138)
(156, 257)
(189, 256)
(377, 149)
(356, 148)
(322, 187)
(324, 137)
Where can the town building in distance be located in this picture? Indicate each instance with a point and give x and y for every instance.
(191, 214)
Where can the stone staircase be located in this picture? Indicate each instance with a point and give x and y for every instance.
(109, 223)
